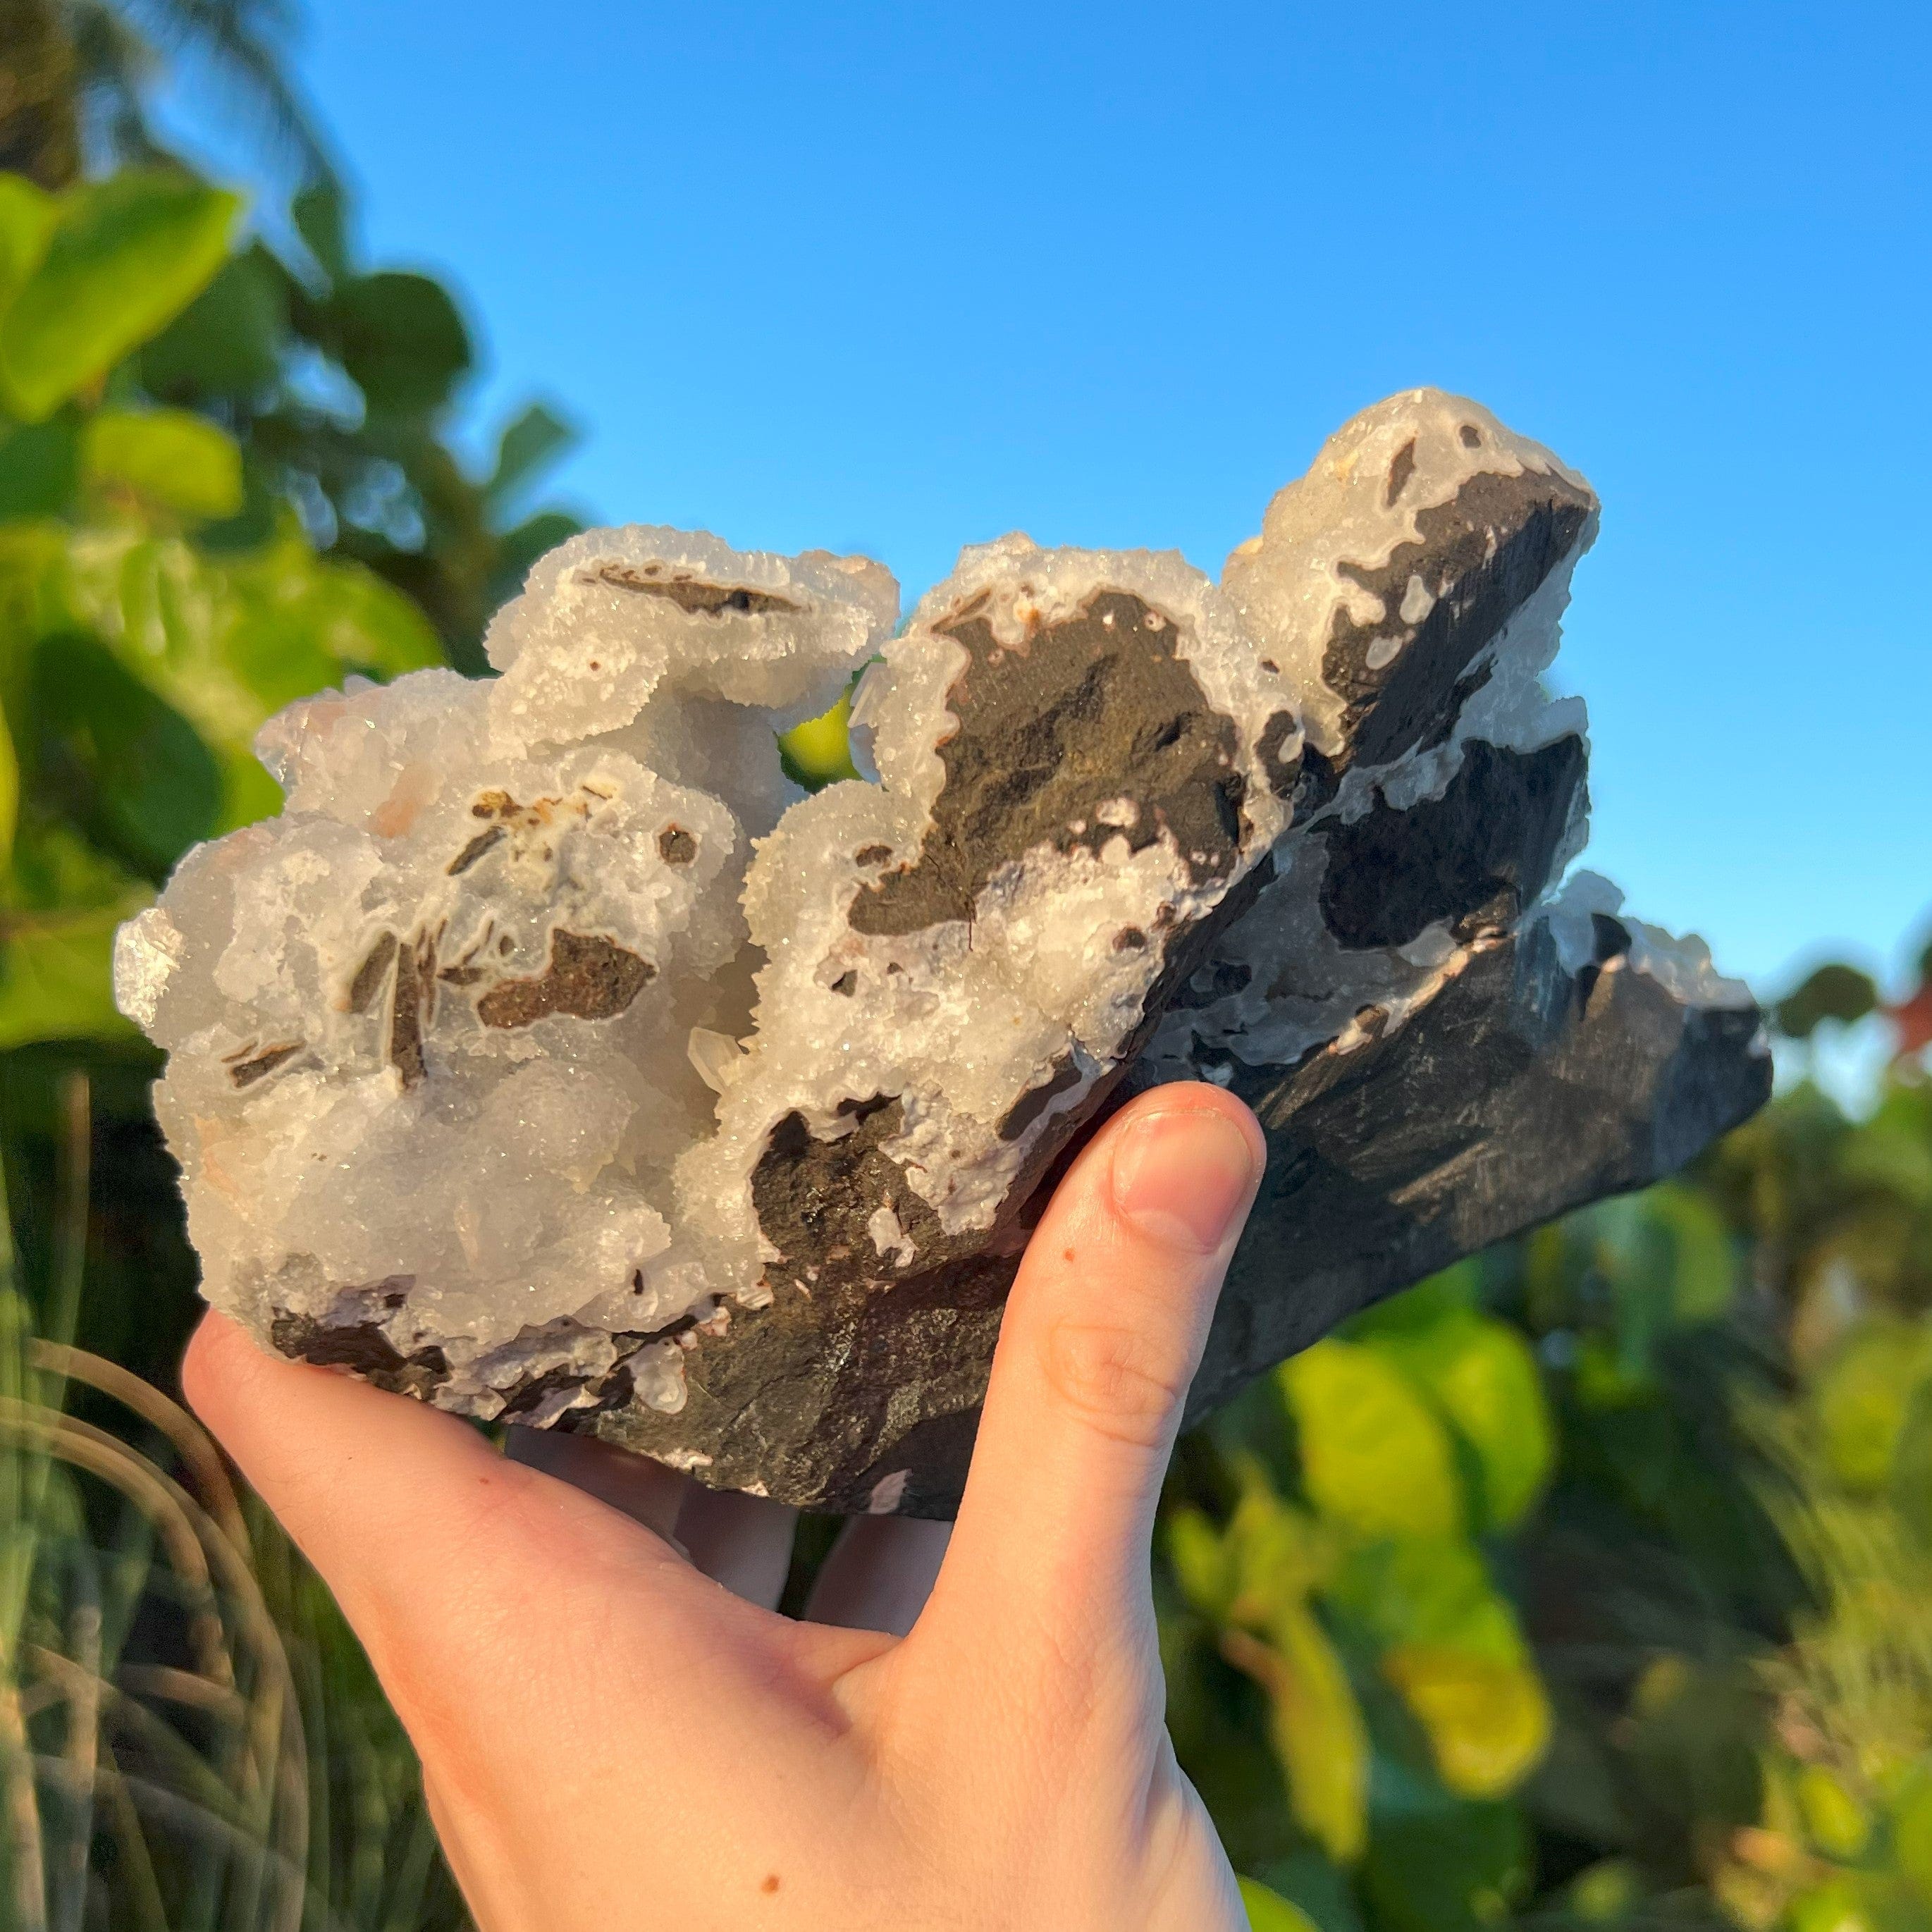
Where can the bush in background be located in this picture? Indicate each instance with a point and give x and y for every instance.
(1589, 1583)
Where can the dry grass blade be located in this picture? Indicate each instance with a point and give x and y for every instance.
(269, 1776)
(165, 1659)
(26, 1858)
(199, 1458)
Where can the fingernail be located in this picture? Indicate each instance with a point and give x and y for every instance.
(1182, 1176)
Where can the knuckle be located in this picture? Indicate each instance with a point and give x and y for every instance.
(1123, 1381)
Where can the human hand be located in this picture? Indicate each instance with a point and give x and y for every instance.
(616, 1732)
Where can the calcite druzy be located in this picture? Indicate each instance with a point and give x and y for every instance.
(551, 1059)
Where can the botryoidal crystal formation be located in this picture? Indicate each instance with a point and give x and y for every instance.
(551, 1059)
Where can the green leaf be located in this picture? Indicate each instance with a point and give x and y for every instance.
(401, 340)
(122, 763)
(1450, 1646)
(1433, 1592)
(1605, 1893)
(536, 438)
(1202, 1560)
(1439, 1864)
(1269, 1912)
(1315, 1725)
(164, 459)
(1833, 992)
(229, 341)
(292, 614)
(1861, 1397)
(227, 638)
(27, 217)
(1279, 1554)
(517, 549)
(818, 752)
(1375, 1454)
(1909, 1480)
(1911, 1830)
(128, 254)
(1841, 1904)
(1488, 1723)
(1834, 1821)
(318, 215)
(1482, 1375)
(39, 467)
(1703, 1260)
(10, 790)
(56, 976)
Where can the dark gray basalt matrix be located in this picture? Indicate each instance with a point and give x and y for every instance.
(551, 1059)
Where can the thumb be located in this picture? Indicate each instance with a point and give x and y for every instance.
(1101, 1335)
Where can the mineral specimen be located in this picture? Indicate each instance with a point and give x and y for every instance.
(550, 1060)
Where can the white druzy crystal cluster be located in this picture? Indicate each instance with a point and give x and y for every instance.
(513, 1050)
(428, 1030)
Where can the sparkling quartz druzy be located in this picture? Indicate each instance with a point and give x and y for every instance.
(428, 1030)
(550, 1058)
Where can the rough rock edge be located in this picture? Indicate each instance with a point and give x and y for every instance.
(1524, 1087)
(1418, 700)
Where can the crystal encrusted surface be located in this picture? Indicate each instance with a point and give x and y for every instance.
(548, 1059)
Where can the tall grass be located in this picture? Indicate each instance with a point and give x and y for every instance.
(190, 1740)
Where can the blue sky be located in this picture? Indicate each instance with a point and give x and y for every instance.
(898, 278)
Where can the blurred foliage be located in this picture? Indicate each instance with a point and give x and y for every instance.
(189, 1737)
(226, 481)
(1589, 1584)
(1591, 1580)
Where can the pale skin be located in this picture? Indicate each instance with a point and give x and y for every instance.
(619, 1731)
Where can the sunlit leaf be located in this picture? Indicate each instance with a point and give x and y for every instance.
(1487, 1722)
(163, 459)
(1279, 1553)
(1482, 1374)
(1435, 1591)
(128, 254)
(228, 639)
(1861, 1398)
(1841, 1904)
(1269, 1912)
(27, 217)
(1834, 1821)
(1605, 1893)
(1314, 1724)
(818, 752)
(56, 978)
(1911, 1830)
(1203, 1561)
(1375, 1453)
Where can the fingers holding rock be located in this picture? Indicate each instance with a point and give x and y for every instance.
(1101, 1338)
(879, 1574)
